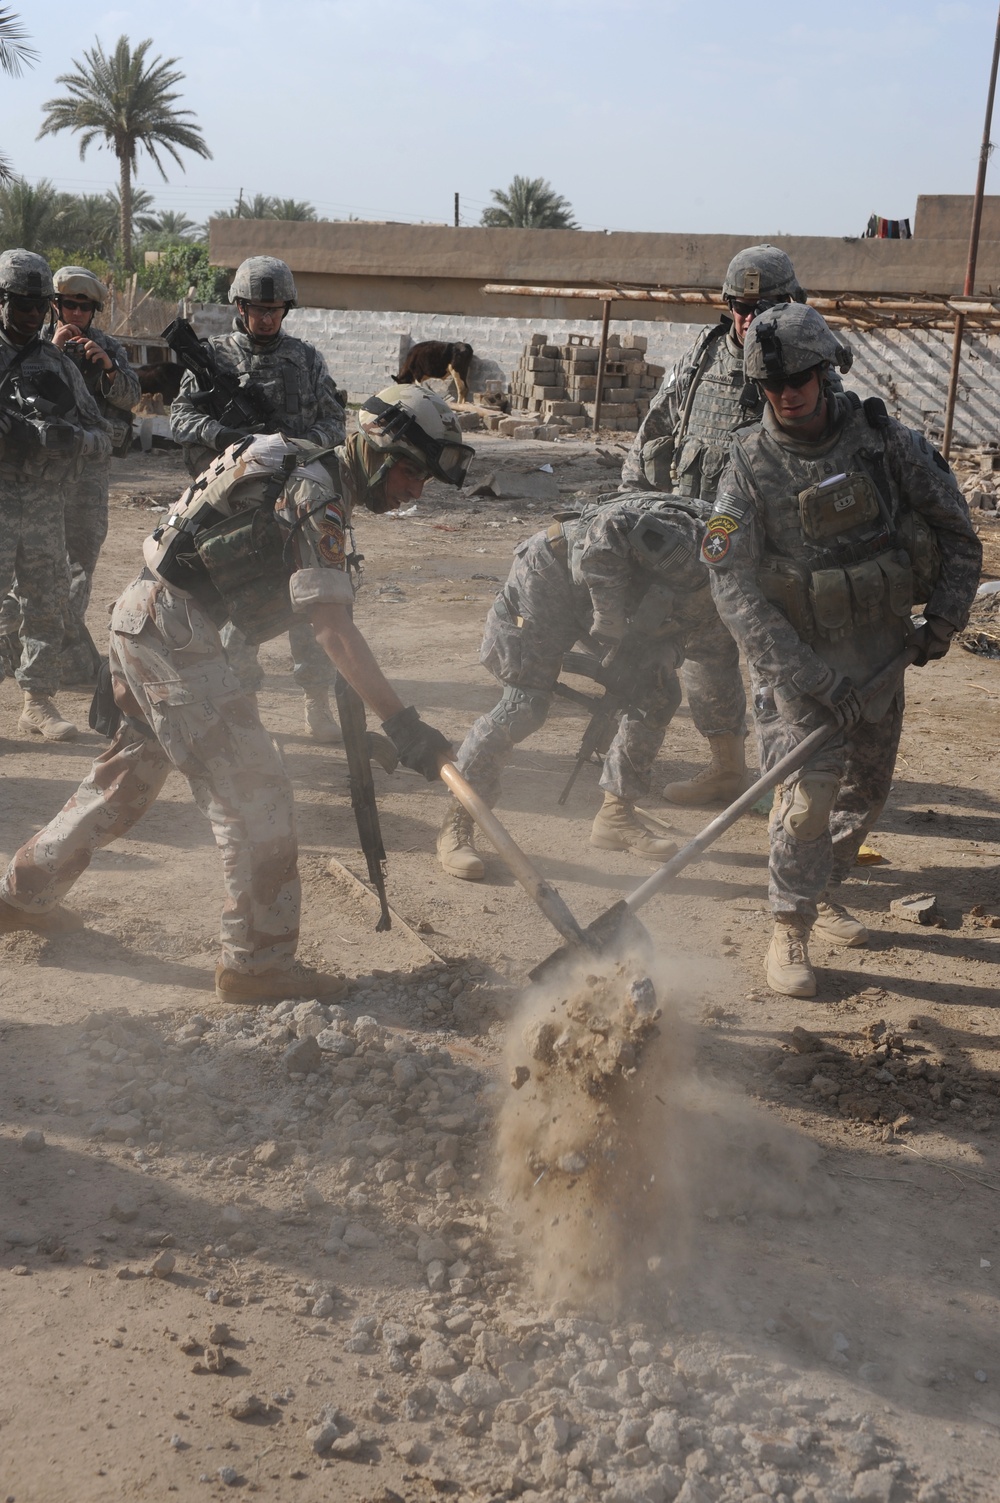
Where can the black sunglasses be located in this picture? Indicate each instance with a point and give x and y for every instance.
(800, 379)
(747, 309)
(21, 303)
(83, 304)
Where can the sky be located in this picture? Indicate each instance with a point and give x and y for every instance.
(693, 116)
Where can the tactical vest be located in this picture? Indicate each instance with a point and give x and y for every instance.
(223, 543)
(719, 400)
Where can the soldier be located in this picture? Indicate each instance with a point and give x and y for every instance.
(114, 386)
(683, 445)
(304, 403)
(627, 575)
(267, 498)
(831, 521)
(50, 425)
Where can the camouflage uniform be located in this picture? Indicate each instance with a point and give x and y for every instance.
(587, 580)
(849, 593)
(86, 517)
(168, 655)
(295, 379)
(33, 491)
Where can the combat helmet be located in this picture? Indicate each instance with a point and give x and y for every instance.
(263, 279)
(25, 274)
(789, 338)
(77, 281)
(761, 271)
(409, 422)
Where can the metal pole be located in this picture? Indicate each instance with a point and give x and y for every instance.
(456, 211)
(970, 272)
(602, 360)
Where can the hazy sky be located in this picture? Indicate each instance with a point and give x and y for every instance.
(774, 116)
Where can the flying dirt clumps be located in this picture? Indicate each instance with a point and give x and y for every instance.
(583, 1135)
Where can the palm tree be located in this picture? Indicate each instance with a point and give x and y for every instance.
(292, 208)
(169, 225)
(35, 217)
(261, 206)
(529, 204)
(15, 54)
(130, 104)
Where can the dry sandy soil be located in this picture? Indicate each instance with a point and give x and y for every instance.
(803, 1302)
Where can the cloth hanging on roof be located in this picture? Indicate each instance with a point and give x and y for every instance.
(887, 229)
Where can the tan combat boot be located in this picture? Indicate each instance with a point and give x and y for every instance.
(722, 781)
(837, 926)
(616, 828)
(55, 920)
(787, 963)
(41, 717)
(455, 850)
(301, 982)
(319, 721)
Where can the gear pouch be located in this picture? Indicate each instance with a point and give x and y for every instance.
(830, 597)
(868, 589)
(898, 573)
(785, 585)
(837, 505)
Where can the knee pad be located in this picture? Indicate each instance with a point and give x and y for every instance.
(807, 813)
(521, 711)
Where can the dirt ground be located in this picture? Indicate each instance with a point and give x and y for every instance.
(812, 1309)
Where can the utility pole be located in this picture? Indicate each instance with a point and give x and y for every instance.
(239, 205)
(970, 271)
(456, 211)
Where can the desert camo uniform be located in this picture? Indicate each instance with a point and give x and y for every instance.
(167, 654)
(585, 579)
(294, 377)
(804, 594)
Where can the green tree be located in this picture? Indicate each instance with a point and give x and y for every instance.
(166, 228)
(264, 206)
(529, 204)
(15, 55)
(125, 102)
(292, 208)
(36, 217)
(181, 267)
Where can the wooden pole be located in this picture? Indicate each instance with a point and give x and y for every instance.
(970, 272)
(456, 211)
(602, 360)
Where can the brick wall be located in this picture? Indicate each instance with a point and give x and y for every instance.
(908, 368)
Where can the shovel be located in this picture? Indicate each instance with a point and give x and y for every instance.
(618, 924)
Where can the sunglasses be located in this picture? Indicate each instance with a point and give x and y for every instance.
(21, 303)
(747, 309)
(796, 382)
(263, 310)
(76, 305)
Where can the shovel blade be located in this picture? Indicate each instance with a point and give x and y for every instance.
(617, 929)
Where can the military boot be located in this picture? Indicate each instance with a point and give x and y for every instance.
(41, 717)
(55, 920)
(722, 781)
(319, 721)
(787, 963)
(617, 828)
(837, 926)
(455, 850)
(300, 982)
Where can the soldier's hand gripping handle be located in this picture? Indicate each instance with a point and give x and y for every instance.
(932, 639)
(840, 696)
(420, 747)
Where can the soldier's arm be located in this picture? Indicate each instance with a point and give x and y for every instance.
(329, 429)
(96, 432)
(927, 484)
(190, 424)
(660, 420)
(732, 549)
(606, 566)
(122, 390)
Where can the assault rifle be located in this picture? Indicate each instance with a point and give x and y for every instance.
(233, 401)
(34, 412)
(357, 745)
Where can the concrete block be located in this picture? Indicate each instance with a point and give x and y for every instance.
(635, 342)
(508, 425)
(539, 363)
(561, 409)
(614, 367)
(553, 392)
(525, 430)
(550, 351)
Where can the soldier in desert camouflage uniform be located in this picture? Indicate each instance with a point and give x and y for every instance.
(683, 446)
(50, 425)
(303, 399)
(831, 520)
(114, 386)
(627, 576)
(184, 704)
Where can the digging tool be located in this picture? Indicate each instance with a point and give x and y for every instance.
(618, 923)
(534, 884)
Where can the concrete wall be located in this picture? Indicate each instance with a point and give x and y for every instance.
(948, 216)
(907, 368)
(433, 269)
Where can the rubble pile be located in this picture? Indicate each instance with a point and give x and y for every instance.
(554, 386)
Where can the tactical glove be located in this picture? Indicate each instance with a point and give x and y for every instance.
(227, 436)
(841, 697)
(932, 639)
(420, 747)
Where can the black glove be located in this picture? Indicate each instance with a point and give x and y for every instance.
(932, 639)
(841, 697)
(227, 436)
(420, 747)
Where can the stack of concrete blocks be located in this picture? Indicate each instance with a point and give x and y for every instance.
(556, 385)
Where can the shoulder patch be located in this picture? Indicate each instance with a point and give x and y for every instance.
(727, 505)
(722, 522)
(940, 461)
(715, 545)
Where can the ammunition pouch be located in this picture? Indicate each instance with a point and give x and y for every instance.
(839, 602)
(786, 585)
(246, 558)
(836, 506)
